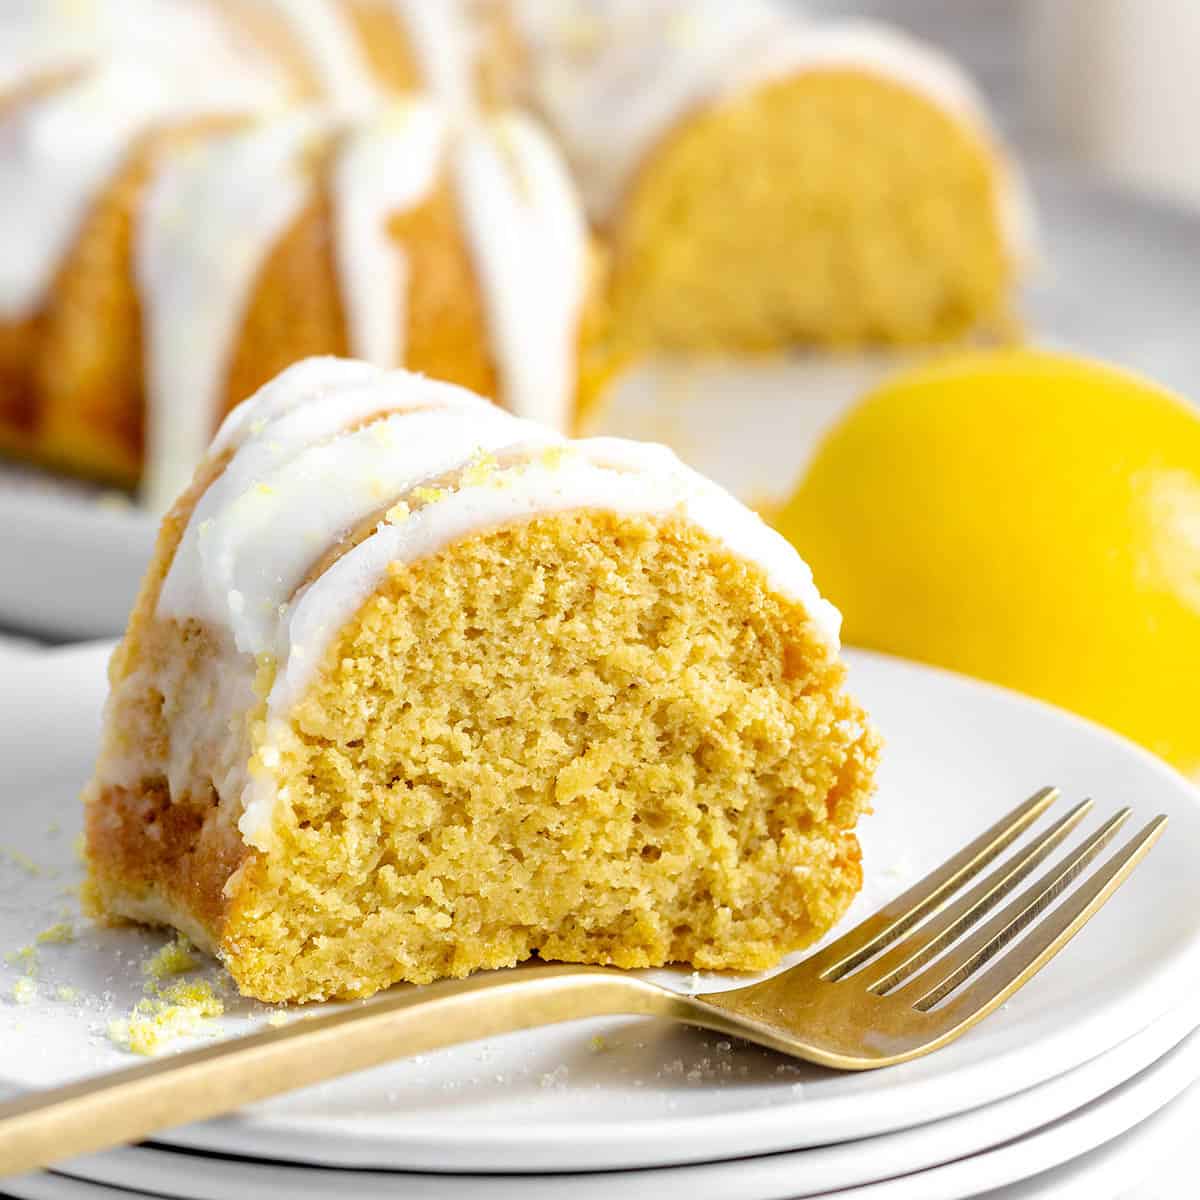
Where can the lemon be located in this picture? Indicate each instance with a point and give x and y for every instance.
(1026, 517)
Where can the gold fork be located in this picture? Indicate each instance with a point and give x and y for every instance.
(906, 981)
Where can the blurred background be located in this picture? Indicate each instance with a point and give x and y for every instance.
(1100, 99)
(1111, 82)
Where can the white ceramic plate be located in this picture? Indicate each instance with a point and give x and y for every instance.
(1092, 1154)
(959, 754)
(1143, 1163)
(73, 556)
(749, 425)
(799, 1173)
(1097, 1125)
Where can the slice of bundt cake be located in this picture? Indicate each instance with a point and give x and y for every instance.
(415, 687)
(765, 181)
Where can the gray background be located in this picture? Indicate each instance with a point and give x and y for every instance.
(1120, 269)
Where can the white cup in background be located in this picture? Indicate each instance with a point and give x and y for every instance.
(1118, 82)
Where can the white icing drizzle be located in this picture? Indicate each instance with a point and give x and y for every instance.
(255, 549)
(212, 213)
(59, 150)
(55, 155)
(305, 472)
(529, 245)
(613, 76)
(208, 223)
(606, 474)
(279, 438)
(875, 48)
(301, 385)
(46, 37)
(524, 228)
(322, 31)
(444, 39)
(383, 169)
(211, 217)
(255, 532)
(602, 473)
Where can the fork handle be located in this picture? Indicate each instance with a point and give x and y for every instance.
(125, 1106)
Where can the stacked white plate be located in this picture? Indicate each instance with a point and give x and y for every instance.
(1054, 1091)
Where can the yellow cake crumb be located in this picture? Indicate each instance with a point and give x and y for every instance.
(174, 958)
(24, 991)
(179, 1010)
(278, 1019)
(194, 994)
(57, 934)
(20, 859)
(638, 762)
(478, 471)
(429, 495)
(147, 1033)
(27, 955)
(66, 992)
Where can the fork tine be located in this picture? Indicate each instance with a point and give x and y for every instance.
(895, 919)
(909, 955)
(976, 950)
(1051, 935)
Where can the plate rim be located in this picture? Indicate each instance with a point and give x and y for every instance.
(1164, 1037)
(371, 1142)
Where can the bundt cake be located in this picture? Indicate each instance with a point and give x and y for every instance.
(196, 193)
(415, 687)
(163, 254)
(763, 181)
